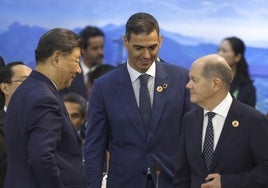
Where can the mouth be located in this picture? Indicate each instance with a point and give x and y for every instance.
(146, 62)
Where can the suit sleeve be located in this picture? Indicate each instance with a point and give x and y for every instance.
(182, 177)
(258, 175)
(96, 137)
(44, 136)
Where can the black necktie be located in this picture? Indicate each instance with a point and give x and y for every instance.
(209, 141)
(144, 101)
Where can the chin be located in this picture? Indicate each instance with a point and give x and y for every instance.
(193, 100)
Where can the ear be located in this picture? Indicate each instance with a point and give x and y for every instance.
(217, 84)
(160, 40)
(4, 88)
(56, 58)
(125, 41)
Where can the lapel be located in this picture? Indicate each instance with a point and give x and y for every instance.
(197, 124)
(228, 133)
(125, 94)
(159, 101)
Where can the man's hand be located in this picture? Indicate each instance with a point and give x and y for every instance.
(212, 181)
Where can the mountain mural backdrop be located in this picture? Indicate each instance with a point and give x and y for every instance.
(20, 41)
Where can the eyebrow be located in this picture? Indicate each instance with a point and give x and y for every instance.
(136, 45)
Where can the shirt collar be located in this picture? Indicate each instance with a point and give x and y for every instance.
(135, 74)
(223, 108)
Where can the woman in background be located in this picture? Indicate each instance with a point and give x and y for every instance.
(242, 88)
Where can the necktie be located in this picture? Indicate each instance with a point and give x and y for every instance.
(144, 101)
(209, 142)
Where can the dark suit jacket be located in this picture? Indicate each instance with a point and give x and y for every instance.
(241, 155)
(114, 115)
(42, 144)
(246, 92)
(78, 86)
(3, 156)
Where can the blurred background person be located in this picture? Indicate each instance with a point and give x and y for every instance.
(99, 71)
(11, 76)
(76, 107)
(92, 56)
(242, 88)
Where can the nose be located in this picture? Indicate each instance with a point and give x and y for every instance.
(100, 50)
(188, 85)
(146, 53)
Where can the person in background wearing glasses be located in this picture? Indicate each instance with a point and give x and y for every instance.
(11, 76)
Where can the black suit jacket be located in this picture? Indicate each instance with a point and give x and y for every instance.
(246, 92)
(42, 144)
(241, 155)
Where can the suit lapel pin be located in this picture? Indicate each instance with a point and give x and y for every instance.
(165, 86)
(235, 123)
(159, 88)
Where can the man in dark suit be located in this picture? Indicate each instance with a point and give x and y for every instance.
(227, 150)
(137, 144)
(92, 56)
(42, 145)
(11, 76)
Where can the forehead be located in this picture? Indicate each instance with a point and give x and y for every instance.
(144, 38)
(95, 40)
(76, 52)
(226, 44)
(20, 69)
(72, 106)
(195, 69)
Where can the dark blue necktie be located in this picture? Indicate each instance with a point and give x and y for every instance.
(209, 142)
(144, 101)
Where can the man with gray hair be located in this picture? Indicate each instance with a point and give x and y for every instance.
(224, 142)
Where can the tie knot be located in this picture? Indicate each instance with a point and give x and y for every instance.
(211, 115)
(144, 79)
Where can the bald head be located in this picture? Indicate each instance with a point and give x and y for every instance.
(214, 65)
(210, 80)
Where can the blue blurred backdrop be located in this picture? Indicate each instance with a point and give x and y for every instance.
(191, 28)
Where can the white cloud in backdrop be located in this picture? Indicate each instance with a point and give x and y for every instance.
(211, 20)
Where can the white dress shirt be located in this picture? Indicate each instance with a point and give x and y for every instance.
(218, 120)
(134, 76)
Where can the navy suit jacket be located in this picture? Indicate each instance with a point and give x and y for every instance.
(42, 144)
(241, 155)
(114, 121)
